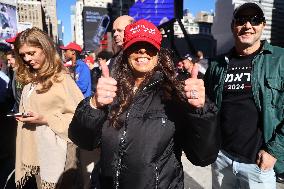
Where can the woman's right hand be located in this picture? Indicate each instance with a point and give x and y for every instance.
(32, 118)
(106, 89)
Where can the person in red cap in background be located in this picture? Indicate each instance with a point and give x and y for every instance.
(79, 70)
(141, 116)
(89, 60)
(103, 57)
(11, 40)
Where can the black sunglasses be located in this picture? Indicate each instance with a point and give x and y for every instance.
(253, 20)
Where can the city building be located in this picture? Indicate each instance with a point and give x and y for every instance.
(72, 23)
(31, 12)
(201, 24)
(190, 26)
(221, 29)
(198, 31)
(97, 3)
(204, 16)
(60, 32)
(9, 2)
(49, 7)
(78, 22)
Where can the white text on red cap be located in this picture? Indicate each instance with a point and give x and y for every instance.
(140, 27)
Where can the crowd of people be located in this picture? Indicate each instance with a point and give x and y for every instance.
(138, 111)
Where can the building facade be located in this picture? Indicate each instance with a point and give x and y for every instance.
(60, 32)
(97, 3)
(198, 35)
(30, 11)
(72, 23)
(78, 22)
(201, 24)
(9, 2)
(49, 8)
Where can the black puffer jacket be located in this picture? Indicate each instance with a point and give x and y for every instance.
(145, 152)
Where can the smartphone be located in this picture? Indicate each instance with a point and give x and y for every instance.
(20, 114)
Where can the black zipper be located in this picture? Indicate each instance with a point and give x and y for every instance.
(122, 143)
(163, 121)
(121, 151)
(157, 175)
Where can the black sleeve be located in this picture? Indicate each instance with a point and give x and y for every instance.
(86, 126)
(200, 134)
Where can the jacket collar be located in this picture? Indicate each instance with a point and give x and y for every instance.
(266, 49)
(157, 77)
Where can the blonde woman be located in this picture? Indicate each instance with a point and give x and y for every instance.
(48, 102)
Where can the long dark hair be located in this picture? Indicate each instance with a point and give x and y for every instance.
(126, 80)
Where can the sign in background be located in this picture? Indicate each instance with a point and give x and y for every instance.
(95, 23)
(155, 11)
(8, 21)
(24, 25)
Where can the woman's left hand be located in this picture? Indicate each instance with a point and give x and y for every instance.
(194, 89)
(32, 118)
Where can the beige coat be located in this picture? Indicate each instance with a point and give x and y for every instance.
(42, 149)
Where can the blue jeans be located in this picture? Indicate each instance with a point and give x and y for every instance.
(231, 174)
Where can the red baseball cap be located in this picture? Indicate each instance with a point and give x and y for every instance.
(12, 39)
(90, 59)
(72, 46)
(142, 30)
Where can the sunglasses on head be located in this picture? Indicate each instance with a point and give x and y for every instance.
(253, 20)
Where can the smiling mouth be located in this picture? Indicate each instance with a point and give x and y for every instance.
(246, 33)
(142, 60)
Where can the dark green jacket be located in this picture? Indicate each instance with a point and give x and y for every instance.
(267, 81)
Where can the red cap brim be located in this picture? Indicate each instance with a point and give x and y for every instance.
(11, 40)
(142, 39)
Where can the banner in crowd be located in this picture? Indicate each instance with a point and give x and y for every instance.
(95, 23)
(155, 11)
(8, 21)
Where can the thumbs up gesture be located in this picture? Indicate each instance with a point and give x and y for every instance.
(194, 89)
(106, 89)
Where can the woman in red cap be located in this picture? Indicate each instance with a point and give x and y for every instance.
(142, 117)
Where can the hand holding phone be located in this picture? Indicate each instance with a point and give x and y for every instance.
(20, 114)
(30, 117)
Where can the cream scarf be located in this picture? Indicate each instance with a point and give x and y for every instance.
(39, 151)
